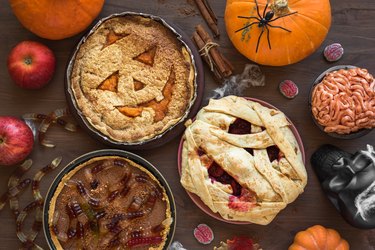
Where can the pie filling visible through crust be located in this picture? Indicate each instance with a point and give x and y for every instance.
(133, 79)
(109, 202)
(242, 160)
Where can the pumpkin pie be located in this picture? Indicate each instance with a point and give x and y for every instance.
(109, 202)
(242, 160)
(133, 79)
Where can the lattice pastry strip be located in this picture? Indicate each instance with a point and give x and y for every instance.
(249, 172)
(216, 196)
(277, 127)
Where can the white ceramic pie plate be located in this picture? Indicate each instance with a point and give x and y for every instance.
(195, 198)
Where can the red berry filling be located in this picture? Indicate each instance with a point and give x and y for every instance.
(201, 152)
(240, 127)
(216, 173)
(244, 202)
(242, 199)
(274, 153)
(215, 170)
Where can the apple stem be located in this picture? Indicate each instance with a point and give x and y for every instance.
(28, 60)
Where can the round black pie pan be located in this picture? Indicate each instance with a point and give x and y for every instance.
(100, 153)
(353, 135)
(171, 132)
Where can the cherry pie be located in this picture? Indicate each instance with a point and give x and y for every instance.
(109, 202)
(242, 160)
(133, 79)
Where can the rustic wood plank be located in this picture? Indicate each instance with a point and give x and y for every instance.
(353, 26)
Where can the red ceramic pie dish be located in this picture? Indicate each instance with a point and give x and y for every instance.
(195, 198)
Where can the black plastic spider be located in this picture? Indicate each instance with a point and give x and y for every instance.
(264, 22)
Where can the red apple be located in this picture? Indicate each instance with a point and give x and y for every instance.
(16, 140)
(31, 64)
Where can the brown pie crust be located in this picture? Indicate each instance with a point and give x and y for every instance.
(65, 194)
(142, 56)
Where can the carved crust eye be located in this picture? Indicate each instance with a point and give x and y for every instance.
(113, 37)
(110, 83)
(138, 85)
(147, 57)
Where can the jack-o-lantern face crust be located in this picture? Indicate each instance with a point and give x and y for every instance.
(242, 160)
(132, 79)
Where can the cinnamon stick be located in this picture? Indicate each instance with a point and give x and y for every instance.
(219, 65)
(214, 52)
(209, 9)
(208, 15)
(200, 44)
(228, 63)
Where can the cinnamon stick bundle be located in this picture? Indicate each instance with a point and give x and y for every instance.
(219, 65)
(208, 15)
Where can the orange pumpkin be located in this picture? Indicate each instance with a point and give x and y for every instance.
(319, 238)
(56, 20)
(307, 20)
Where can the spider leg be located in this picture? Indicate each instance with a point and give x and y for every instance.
(256, 4)
(245, 27)
(265, 8)
(289, 14)
(279, 27)
(249, 17)
(261, 33)
(268, 37)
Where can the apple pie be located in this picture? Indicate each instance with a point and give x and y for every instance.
(242, 160)
(109, 202)
(133, 79)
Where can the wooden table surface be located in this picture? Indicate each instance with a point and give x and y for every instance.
(353, 26)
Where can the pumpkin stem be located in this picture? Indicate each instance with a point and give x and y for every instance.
(280, 7)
